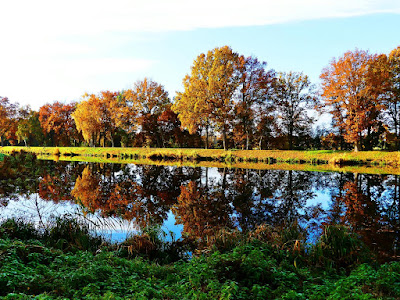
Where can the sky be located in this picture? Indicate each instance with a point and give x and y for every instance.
(57, 51)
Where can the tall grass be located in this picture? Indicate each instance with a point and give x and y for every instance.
(267, 263)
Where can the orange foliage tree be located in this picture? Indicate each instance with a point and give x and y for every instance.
(100, 117)
(56, 120)
(149, 100)
(353, 87)
(8, 114)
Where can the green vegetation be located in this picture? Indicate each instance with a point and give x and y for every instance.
(264, 264)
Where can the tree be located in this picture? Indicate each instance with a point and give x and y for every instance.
(294, 95)
(56, 120)
(100, 117)
(252, 98)
(353, 88)
(87, 119)
(392, 100)
(149, 100)
(207, 100)
(29, 126)
(8, 113)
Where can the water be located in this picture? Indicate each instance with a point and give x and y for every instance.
(120, 199)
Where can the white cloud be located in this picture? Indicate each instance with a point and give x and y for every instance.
(48, 17)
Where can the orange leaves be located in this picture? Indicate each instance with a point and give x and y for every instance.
(57, 118)
(7, 118)
(352, 88)
(100, 116)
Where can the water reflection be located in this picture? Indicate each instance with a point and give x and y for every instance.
(205, 200)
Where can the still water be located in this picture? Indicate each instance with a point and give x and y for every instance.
(119, 199)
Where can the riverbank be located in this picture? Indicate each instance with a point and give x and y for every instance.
(341, 158)
(266, 264)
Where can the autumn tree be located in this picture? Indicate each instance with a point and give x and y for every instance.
(87, 119)
(353, 87)
(392, 99)
(252, 99)
(29, 129)
(207, 100)
(56, 120)
(149, 100)
(8, 113)
(100, 117)
(294, 96)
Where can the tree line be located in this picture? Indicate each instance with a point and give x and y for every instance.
(229, 101)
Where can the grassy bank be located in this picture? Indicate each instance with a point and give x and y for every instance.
(218, 155)
(265, 264)
(362, 169)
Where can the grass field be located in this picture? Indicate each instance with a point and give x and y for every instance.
(234, 157)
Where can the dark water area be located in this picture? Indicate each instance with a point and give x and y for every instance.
(119, 199)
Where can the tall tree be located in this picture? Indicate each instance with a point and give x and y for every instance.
(353, 88)
(207, 100)
(8, 114)
(294, 95)
(87, 119)
(392, 100)
(100, 117)
(252, 98)
(56, 120)
(149, 100)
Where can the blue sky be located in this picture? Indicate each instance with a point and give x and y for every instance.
(51, 52)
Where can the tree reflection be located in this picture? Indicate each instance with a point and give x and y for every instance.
(142, 193)
(369, 204)
(206, 200)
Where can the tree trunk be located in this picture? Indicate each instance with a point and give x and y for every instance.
(26, 145)
(247, 140)
(206, 136)
(1, 141)
(396, 130)
(224, 138)
(290, 137)
(260, 143)
(357, 146)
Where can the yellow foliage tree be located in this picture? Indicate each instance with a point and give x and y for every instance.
(207, 100)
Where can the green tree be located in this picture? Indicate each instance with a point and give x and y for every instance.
(29, 129)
